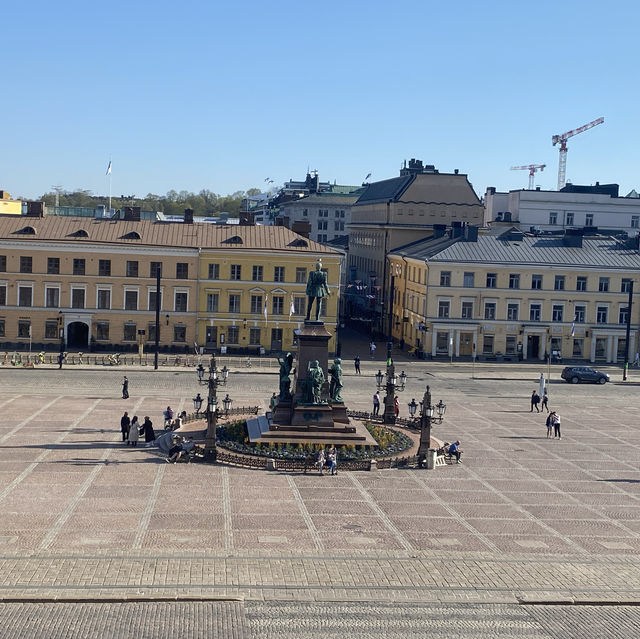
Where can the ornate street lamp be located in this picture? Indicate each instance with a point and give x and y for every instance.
(226, 403)
(413, 406)
(426, 419)
(393, 385)
(379, 379)
(225, 374)
(200, 371)
(197, 403)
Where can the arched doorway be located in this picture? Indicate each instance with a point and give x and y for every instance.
(78, 335)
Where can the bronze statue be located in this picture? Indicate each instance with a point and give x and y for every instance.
(286, 364)
(316, 289)
(315, 380)
(336, 385)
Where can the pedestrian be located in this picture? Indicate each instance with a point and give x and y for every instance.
(60, 360)
(454, 451)
(636, 361)
(549, 423)
(396, 406)
(320, 459)
(125, 388)
(556, 426)
(125, 424)
(273, 401)
(372, 349)
(356, 363)
(168, 417)
(545, 401)
(134, 431)
(535, 400)
(332, 458)
(149, 434)
(376, 403)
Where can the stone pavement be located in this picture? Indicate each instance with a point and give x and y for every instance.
(523, 519)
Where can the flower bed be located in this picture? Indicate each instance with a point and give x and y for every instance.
(233, 436)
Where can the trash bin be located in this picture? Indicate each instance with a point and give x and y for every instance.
(431, 459)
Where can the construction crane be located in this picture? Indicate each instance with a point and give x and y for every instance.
(532, 168)
(562, 141)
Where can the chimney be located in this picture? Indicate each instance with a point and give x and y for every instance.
(188, 216)
(573, 237)
(457, 229)
(35, 209)
(302, 228)
(439, 230)
(455, 171)
(470, 233)
(132, 213)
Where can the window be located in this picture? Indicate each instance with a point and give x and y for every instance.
(557, 312)
(256, 304)
(152, 300)
(104, 268)
(601, 314)
(257, 273)
(510, 345)
(77, 298)
(553, 217)
(155, 268)
(79, 266)
(25, 295)
(487, 345)
(512, 311)
(104, 298)
(24, 328)
(623, 314)
(322, 237)
(514, 280)
(581, 283)
(536, 282)
(492, 279)
(443, 309)
(569, 218)
(625, 285)
(236, 272)
(577, 347)
(635, 221)
(3, 294)
(305, 212)
(535, 310)
(2, 331)
(559, 283)
(278, 273)
(182, 271)
(298, 305)
(603, 284)
(180, 302)
(51, 330)
(467, 310)
(468, 280)
(323, 212)
(26, 264)
(132, 268)
(232, 334)
(277, 305)
(102, 330)
(53, 265)
(322, 225)
(580, 314)
(3, 263)
(254, 336)
(588, 219)
(179, 333)
(52, 297)
(129, 333)
(131, 300)
(151, 332)
(301, 275)
(214, 271)
(212, 302)
(490, 310)
(445, 278)
(338, 226)
(234, 303)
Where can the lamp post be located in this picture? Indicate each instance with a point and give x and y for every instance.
(426, 418)
(393, 384)
(61, 335)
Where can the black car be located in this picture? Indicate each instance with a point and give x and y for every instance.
(575, 374)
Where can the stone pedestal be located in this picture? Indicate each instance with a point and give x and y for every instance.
(313, 343)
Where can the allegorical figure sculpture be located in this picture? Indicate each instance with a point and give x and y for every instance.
(335, 385)
(286, 364)
(315, 379)
(316, 289)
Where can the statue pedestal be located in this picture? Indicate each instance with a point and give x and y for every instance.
(313, 344)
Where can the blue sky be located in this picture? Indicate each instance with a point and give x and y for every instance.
(220, 95)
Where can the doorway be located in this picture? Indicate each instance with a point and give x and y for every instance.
(533, 346)
(77, 335)
(466, 344)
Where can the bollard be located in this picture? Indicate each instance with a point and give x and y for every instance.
(271, 464)
(431, 459)
(373, 464)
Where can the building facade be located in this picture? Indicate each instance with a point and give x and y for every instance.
(516, 296)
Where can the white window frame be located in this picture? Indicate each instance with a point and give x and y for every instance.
(23, 285)
(152, 289)
(127, 289)
(175, 292)
(53, 287)
(104, 287)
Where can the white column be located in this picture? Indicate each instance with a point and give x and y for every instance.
(434, 339)
(592, 355)
(457, 342)
(525, 339)
(610, 348)
(542, 347)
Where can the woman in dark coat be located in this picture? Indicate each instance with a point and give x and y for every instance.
(149, 435)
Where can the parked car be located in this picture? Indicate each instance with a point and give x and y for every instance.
(575, 374)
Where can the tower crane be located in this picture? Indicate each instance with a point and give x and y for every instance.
(562, 141)
(532, 168)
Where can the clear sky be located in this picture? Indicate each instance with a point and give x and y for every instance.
(220, 95)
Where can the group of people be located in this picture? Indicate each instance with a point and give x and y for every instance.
(321, 459)
(553, 419)
(132, 430)
(535, 401)
(171, 423)
(181, 448)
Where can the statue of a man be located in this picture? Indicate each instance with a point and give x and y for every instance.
(316, 289)
(315, 380)
(336, 385)
(286, 364)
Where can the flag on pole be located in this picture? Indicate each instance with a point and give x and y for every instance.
(292, 308)
(573, 327)
(266, 299)
(108, 169)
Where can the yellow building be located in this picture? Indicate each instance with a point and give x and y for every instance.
(91, 284)
(511, 295)
(9, 206)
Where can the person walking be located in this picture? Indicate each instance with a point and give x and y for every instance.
(396, 406)
(320, 461)
(535, 400)
(125, 388)
(556, 426)
(125, 424)
(549, 423)
(273, 401)
(372, 349)
(134, 432)
(545, 401)
(376, 403)
(356, 363)
(149, 434)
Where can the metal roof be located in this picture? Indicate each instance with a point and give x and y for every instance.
(385, 190)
